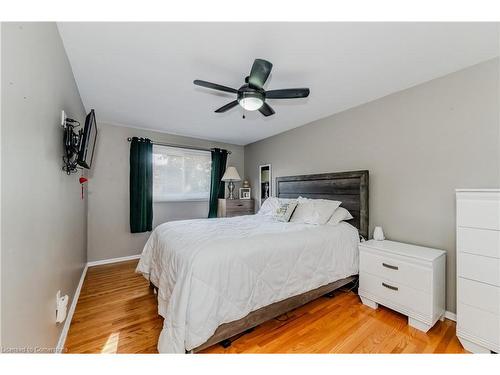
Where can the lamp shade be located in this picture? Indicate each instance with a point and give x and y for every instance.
(231, 174)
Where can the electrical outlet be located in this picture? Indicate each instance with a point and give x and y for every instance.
(58, 297)
(63, 118)
(61, 307)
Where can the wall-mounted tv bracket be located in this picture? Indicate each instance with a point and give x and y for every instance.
(71, 143)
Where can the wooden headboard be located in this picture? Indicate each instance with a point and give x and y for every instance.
(351, 188)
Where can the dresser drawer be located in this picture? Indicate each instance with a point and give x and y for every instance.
(482, 296)
(396, 270)
(235, 207)
(479, 268)
(395, 295)
(243, 204)
(479, 241)
(478, 212)
(478, 323)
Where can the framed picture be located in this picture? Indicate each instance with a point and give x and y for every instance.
(245, 193)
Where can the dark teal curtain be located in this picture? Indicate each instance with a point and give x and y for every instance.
(141, 185)
(219, 159)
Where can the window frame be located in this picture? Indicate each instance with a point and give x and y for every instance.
(182, 198)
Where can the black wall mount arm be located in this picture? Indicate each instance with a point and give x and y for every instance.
(71, 140)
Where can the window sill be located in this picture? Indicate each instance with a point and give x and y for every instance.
(182, 201)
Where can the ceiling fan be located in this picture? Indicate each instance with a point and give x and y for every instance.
(252, 96)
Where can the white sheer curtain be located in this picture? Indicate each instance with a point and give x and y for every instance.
(180, 174)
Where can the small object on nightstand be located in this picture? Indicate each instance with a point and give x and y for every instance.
(378, 234)
(235, 207)
(407, 278)
(245, 193)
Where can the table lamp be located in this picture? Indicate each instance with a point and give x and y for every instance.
(231, 175)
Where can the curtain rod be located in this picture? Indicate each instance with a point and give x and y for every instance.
(179, 146)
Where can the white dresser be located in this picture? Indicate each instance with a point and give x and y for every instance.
(407, 278)
(478, 269)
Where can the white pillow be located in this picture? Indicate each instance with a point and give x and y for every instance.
(271, 204)
(340, 214)
(314, 211)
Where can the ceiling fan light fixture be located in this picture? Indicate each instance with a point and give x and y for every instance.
(252, 96)
(251, 101)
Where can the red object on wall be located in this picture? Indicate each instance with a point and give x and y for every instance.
(82, 181)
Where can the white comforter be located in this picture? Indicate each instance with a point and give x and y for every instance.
(214, 271)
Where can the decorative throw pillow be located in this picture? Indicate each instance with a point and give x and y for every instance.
(285, 211)
(314, 211)
(269, 206)
(340, 214)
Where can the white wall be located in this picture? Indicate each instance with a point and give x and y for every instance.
(43, 218)
(109, 231)
(418, 144)
(0, 187)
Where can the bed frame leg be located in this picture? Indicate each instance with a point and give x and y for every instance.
(329, 295)
(227, 342)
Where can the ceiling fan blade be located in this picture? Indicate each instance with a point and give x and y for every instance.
(214, 86)
(287, 94)
(227, 107)
(266, 110)
(259, 73)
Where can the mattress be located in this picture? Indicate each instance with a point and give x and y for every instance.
(214, 271)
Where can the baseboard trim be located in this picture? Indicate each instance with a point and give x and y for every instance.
(69, 317)
(451, 316)
(113, 260)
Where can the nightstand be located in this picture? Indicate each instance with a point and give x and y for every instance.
(235, 207)
(407, 278)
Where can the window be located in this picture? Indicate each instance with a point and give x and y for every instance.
(180, 174)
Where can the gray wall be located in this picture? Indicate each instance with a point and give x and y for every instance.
(109, 231)
(418, 144)
(43, 217)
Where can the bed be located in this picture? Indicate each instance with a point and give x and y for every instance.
(220, 277)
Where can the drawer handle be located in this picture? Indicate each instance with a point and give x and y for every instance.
(240, 205)
(390, 266)
(390, 286)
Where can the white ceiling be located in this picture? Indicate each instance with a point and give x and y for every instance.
(141, 74)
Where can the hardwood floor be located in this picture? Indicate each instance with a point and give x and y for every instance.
(117, 313)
